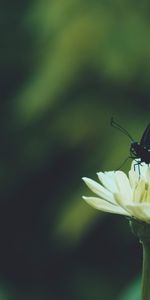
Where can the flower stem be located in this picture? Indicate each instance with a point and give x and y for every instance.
(146, 272)
(142, 231)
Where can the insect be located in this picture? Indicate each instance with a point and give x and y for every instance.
(140, 151)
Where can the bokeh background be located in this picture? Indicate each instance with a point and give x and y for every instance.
(67, 67)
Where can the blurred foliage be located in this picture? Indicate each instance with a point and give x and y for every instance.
(66, 68)
(133, 292)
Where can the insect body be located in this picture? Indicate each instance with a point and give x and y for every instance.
(138, 151)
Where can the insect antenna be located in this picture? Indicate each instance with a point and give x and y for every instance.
(123, 163)
(119, 127)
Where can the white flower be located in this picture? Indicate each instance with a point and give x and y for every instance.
(119, 194)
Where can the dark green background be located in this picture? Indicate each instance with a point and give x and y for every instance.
(67, 67)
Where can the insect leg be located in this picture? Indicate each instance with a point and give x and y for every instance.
(138, 163)
(139, 170)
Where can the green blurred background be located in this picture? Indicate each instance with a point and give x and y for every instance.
(67, 66)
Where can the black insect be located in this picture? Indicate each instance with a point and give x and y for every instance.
(138, 151)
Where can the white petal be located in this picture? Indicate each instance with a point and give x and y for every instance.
(147, 195)
(140, 211)
(120, 200)
(108, 180)
(123, 186)
(99, 189)
(148, 175)
(105, 206)
(143, 169)
(139, 191)
(133, 178)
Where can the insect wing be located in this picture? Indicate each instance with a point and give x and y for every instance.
(145, 140)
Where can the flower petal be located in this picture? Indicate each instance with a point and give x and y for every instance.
(143, 170)
(105, 206)
(148, 175)
(123, 186)
(108, 180)
(140, 211)
(133, 178)
(146, 197)
(99, 189)
(120, 200)
(139, 191)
